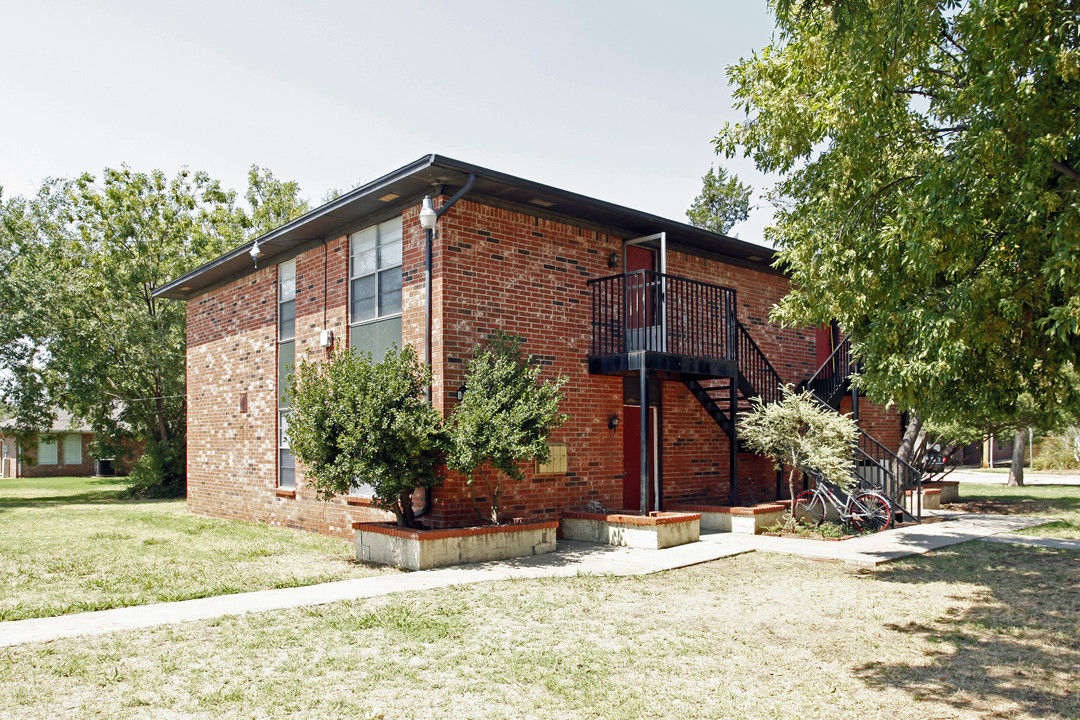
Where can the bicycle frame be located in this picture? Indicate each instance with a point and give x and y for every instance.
(864, 509)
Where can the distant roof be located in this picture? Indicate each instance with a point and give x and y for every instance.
(64, 423)
(405, 186)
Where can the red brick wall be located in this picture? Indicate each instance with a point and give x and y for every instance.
(501, 270)
(232, 349)
(884, 425)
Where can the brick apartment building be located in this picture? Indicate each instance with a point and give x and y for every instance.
(626, 304)
(65, 449)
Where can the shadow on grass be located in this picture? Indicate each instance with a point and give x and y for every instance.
(82, 491)
(1016, 504)
(1011, 650)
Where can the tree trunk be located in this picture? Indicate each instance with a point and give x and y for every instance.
(403, 510)
(1016, 470)
(792, 523)
(911, 436)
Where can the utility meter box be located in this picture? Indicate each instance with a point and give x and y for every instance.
(556, 464)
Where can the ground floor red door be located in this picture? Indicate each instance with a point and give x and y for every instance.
(632, 457)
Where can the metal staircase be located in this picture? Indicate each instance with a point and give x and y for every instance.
(876, 467)
(726, 398)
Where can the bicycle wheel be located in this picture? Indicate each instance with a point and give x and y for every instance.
(809, 509)
(870, 512)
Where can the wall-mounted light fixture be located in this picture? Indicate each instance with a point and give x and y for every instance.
(427, 214)
(613, 422)
(613, 260)
(461, 391)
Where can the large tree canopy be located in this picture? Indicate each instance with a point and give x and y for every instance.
(930, 194)
(79, 326)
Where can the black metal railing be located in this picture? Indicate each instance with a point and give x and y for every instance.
(832, 374)
(757, 369)
(878, 467)
(654, 312)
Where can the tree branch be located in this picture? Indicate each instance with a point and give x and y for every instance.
(1065, 169)
(913, 91)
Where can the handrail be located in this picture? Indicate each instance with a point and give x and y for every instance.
(897, 476)
(831, 374)
(756, 368)
(650, 311)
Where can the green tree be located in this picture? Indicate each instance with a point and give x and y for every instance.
(929, 200)
(724, 201)
(801, 434)
(272, 202)
(357, 421)
(82, 330)
(505, 417)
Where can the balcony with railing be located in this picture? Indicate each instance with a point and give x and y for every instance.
(645, 319)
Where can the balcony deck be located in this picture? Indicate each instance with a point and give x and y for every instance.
(665, 323)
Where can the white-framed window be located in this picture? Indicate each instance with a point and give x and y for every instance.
(286, 460)
(73, 449)
(46, 450)
(286, 359)
(375, 287)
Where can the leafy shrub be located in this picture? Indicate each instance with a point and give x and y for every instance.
(154, 475)
(505, 417)
(1059, 452)
(802, 434)
(356, 421)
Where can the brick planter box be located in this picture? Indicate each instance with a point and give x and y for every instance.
(932, 496)
(414, 549)
(748, 520)
(653, 531)
(950, 490)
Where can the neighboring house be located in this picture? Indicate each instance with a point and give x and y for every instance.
(63, 450)
(626, 304)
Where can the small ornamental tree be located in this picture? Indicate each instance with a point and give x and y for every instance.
(801, 433)
(504, 418)
(357, 421)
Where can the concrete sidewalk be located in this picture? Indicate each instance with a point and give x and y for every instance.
(1000, 476)
(571, 559)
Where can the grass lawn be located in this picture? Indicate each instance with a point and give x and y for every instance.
(1056, 501)
(979, 630)
(70, 545)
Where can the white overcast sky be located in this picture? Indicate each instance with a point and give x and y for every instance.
(618, 100)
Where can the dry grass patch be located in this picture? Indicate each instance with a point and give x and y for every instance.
(958, 634)
(70, 545)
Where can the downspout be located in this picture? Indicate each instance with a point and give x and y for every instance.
(427, 269)
(428, 241)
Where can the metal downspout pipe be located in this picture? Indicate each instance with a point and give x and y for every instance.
(427, 269)
(428, 242)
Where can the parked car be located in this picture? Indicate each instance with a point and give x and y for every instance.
(935, 461)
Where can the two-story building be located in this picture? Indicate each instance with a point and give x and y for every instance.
(662, 328)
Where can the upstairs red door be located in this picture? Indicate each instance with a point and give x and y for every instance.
(640, 300)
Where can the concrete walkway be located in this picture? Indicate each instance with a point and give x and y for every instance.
(1000, 476)
(571, 559)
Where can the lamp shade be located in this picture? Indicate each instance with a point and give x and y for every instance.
(427, 214)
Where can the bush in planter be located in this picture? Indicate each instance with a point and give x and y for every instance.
(355, 419)
(801, 433)
(505, 416)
